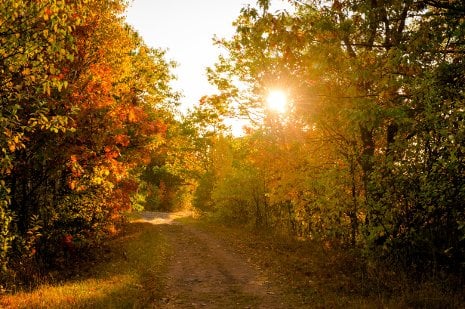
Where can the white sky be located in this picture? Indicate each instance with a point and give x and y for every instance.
(186, 28)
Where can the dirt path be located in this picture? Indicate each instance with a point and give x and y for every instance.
(203, 272)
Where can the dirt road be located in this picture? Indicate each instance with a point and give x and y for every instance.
(204, 272)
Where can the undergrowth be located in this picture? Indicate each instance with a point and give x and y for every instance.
(319, 275)
(125, 274)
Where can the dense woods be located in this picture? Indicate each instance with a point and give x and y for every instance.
(368, 153)
(370, 150)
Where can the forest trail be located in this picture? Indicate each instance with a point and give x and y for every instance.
(158, 261)
(204, 272)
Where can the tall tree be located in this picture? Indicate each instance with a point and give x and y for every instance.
(85, 103)
(368, 79)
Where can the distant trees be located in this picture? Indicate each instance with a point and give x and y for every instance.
(370, 152)
(83, 104)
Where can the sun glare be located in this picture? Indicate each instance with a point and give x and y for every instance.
(277, 101)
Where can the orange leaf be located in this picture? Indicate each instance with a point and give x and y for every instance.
(132, 116)
(122, 139)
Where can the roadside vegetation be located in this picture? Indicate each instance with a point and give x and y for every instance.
(84, 109)
(130, 271)
(363, 147)
(318, 275)
(127, 272)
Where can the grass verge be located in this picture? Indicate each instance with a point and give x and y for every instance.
(127, 274)
(320, 277)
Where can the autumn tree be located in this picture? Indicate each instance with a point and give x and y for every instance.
(84, 103)
(371, 96)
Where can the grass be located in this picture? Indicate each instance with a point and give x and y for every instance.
(128, 275)
(321, 277)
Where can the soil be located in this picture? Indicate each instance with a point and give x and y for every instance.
(205, 272)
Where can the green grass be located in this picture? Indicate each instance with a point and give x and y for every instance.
(129, 275)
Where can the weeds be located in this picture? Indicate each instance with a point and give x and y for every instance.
(127, 273)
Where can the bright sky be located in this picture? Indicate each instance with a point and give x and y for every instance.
(186, 28)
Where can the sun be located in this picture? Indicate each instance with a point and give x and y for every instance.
(277, 101)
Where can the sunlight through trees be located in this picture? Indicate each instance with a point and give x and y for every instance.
(361, 143)
(277, 101)
(370, 153)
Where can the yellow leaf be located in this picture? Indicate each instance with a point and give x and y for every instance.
(131, 116)
(72, 184)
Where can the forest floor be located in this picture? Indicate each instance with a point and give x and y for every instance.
(171, 260)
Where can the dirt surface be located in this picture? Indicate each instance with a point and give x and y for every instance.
(204, 272)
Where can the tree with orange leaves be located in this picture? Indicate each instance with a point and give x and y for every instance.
(84, 102)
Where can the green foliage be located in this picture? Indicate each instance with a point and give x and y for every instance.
(239, 197)
(5, 236)
(203, 193)
(370, 150)
(418, 198)
(159, 188)
(84, 103)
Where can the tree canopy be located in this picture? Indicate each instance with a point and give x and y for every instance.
(370, 149)
(84, 105)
